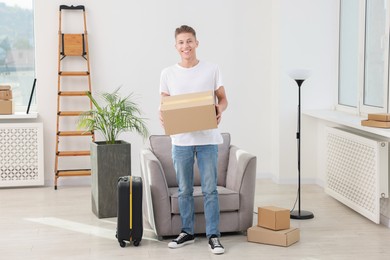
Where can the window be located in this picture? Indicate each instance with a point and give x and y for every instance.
(17, 50)
(363, 55)
(375, 54)
(349, 50)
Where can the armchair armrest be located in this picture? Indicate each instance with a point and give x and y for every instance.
(156, 190)
(241, 177)
(241, 169)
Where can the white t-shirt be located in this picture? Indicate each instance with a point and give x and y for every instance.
(177, 80)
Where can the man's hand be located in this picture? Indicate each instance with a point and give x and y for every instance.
(222, 102)
(219, 113)
(163, 94)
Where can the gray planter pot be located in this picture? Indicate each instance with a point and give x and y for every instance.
(108, 163)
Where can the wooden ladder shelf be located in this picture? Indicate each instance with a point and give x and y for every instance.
(71, 45)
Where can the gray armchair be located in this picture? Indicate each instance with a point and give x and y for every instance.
(236, 188)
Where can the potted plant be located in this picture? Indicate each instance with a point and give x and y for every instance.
(110, 159)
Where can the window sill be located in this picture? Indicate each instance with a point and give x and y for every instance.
(345, 119)
(20, 115)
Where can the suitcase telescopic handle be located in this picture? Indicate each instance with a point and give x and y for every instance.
(123, 178)
(72, 7)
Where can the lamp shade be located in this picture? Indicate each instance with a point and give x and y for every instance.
(301, 74)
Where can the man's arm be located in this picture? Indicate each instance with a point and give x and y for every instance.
(163, 94)
(222, 102)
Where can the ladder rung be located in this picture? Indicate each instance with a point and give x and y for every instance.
(75, 133)
(73, 73)
(73, 153)
(75, 172)
(70, 113)
(73, 93)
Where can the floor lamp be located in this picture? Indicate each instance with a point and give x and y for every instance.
(300, 76)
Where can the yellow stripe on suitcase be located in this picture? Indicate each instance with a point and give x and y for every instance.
(131, 204)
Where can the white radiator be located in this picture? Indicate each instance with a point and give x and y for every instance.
(357, 171)
(21, 154)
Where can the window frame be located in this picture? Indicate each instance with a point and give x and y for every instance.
(361, 108)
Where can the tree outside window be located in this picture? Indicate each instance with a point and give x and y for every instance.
(17, 50)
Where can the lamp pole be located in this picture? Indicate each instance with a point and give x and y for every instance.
(300, 214)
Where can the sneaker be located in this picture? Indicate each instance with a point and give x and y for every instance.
(216, 246)
(182, 240)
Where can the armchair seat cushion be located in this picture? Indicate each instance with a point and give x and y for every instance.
(228, 200)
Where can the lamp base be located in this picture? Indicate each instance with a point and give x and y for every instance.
(303, 214)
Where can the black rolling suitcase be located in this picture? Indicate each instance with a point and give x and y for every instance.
(129, 226)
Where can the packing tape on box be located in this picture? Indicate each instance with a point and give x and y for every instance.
(174, 102)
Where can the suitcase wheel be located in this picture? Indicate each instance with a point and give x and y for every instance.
(122, 243)
(136, 243)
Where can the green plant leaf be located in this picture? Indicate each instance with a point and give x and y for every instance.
(115, 115)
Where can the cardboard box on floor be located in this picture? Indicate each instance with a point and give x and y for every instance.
(189, 112)
(274, 218)
(285, 237)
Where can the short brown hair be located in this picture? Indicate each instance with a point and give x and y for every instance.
(185, 29)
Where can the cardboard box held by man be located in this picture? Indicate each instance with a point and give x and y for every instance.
(189, 112)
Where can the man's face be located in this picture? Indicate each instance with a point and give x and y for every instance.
(186, 45)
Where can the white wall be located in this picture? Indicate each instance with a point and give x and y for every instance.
(307, 38)
(255, 43)
(131, 41)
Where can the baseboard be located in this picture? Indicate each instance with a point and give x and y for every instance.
(385, 221)
(70, 181)
(294, 180)
(270, 176)
(264, 175)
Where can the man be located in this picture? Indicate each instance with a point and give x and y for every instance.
(188, 76)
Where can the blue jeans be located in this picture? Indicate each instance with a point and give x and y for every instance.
(183, 161)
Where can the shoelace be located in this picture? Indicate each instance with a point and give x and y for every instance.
(215, 242)
(181, 235)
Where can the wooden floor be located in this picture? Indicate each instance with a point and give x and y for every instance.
(41, 223)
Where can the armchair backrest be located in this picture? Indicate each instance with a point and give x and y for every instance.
(161, 146)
